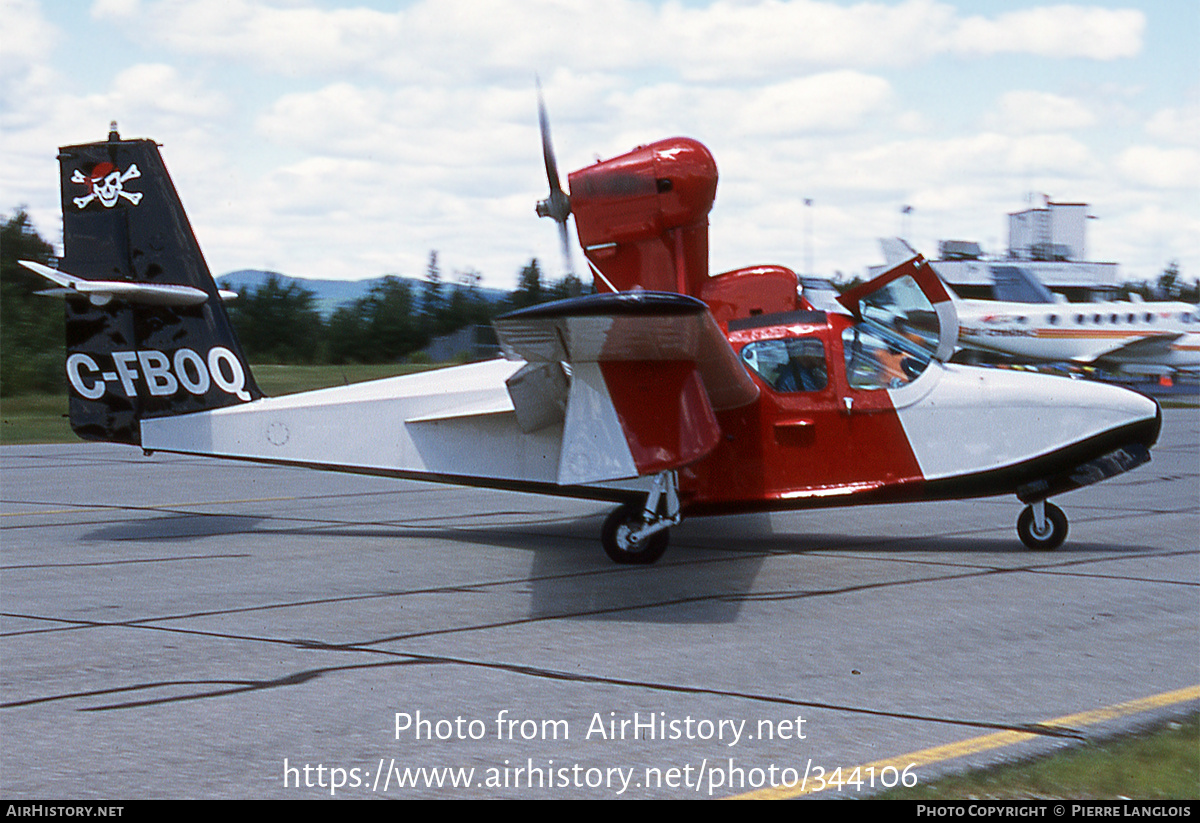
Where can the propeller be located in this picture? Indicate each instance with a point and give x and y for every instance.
(558, 205)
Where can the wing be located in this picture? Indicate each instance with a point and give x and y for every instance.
(637, 378)
(1142, 349)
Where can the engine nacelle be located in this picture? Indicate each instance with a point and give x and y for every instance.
(642, 217)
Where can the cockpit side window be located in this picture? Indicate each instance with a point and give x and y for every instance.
(791, 365)
(895, 338)
(878, 357)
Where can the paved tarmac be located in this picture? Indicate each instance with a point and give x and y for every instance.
(179, 627)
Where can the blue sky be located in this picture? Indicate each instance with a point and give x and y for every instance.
(348, 139)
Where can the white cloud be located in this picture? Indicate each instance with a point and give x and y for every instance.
(158, 89)
(826, 103)
(1025, 111)
(1054, 31)
(27, 36)
(1161, 168)
(291, 39)
(114, 8)
(719, 41)
(1176, 125)
(329, 139)
(24, 76)
(753, 39)
(1144, 235)
(834, 102)
(466, 140)
(906, 165)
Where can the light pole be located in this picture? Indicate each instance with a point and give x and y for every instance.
(808, 242)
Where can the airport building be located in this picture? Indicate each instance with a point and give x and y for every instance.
(1048, 243)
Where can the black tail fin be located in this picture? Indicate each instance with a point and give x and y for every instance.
(147, 335)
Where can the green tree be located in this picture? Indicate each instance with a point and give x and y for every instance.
(32, 328)
(278, 322)
(433, 300)
(467, 305)
(381, 327)
(529, 286)
(392, 331)
(346, 335)
(1169, 284)
(569, 286)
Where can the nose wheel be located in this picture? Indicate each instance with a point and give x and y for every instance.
(1042, 526)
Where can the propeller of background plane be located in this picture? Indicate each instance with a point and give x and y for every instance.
(558, 205)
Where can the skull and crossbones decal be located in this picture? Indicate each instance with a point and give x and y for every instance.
(107, 185)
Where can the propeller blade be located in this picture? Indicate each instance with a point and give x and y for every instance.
(558, 205)
(548, 156)
(566, 244)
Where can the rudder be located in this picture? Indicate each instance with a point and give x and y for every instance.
(157, 341)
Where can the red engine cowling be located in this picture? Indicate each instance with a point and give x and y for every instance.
(743, 293)
(642, 217)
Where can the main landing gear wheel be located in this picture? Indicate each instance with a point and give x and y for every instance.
(1052, 533)
(619, 526)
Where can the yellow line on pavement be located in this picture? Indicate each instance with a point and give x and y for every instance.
(974, 745)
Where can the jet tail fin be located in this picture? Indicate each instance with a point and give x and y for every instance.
(896, 250)
(1014, 284)
(147, 334)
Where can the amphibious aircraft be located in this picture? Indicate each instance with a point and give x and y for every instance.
(1133, 336)
(670, 391)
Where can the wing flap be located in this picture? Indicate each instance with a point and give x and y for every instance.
(630, 326)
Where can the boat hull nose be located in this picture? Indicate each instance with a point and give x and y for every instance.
(987, 431)
(1153, 429)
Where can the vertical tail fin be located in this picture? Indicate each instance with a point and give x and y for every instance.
(1014, 284)
(147, 335)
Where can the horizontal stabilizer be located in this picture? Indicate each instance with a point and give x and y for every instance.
(100, 292)
(477, 409)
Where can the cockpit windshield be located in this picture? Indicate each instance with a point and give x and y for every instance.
(895, 340)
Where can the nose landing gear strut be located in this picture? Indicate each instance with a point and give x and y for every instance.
(1042, 526)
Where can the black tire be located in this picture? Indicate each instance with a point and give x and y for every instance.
(615, 537)
(1055, 532)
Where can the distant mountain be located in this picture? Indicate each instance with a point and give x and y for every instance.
(330, 294)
